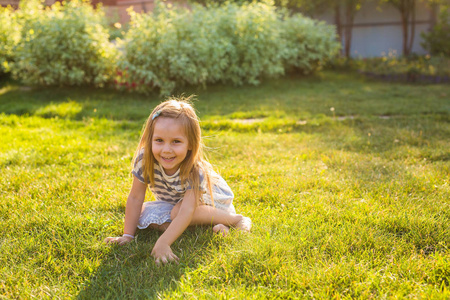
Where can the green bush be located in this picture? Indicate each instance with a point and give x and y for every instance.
(169, 47)
(9, 37)
(414, 68)
(65, 44)
(257, 42)
(308, 43)
(230, 43)
(437, 41)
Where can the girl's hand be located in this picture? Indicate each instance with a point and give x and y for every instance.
(121, 240)
(163, 254)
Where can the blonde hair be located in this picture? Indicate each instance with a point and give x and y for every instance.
(179, 109)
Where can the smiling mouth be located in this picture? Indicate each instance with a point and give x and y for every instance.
(168, 158)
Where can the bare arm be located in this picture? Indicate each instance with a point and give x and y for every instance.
(161, 251)
(132, 212)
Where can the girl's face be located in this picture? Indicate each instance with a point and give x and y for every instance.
(169, 144)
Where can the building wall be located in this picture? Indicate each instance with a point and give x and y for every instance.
(377, 29)
(15, 3)
(139, 6)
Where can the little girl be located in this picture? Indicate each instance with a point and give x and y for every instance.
(169, 160)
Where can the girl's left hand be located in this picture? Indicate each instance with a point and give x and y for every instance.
(121, 240)
(163, 254)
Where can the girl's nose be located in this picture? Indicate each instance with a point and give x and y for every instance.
(167, 149)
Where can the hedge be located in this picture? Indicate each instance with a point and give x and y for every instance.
(232, 44)
(65, 44)
(68, 44)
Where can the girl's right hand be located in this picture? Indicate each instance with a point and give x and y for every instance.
(121, 240)
(163, 254)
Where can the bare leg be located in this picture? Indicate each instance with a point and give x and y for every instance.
(161, 227)
(208, 215)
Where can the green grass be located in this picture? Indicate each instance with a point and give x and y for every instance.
(350, 203)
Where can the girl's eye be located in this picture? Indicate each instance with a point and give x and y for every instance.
(176, 141)
(158, 140)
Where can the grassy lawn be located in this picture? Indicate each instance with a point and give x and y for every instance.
(346, 180)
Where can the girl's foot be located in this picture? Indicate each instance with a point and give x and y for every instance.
(221, 229)
(245, 224)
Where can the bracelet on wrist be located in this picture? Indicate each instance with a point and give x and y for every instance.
(128, 235)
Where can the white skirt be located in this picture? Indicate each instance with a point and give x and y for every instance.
(155, 212)
(158, 212)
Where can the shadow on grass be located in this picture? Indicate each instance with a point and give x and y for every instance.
(129, 272)
(74, 103)
(295, 96)
(84, 102)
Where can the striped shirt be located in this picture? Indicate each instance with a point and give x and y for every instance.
(169, 188)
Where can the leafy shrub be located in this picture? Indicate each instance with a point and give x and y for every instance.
(230, 43)
(308, 43)
(169, 47)
(419, 68)
(437, 41)
(257, 42)
(342, 63)
(116, 31)
(9, 37)
(64, 44)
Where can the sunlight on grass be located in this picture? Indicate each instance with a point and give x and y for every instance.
(6, 89)
(342, 207)
(67, 109)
